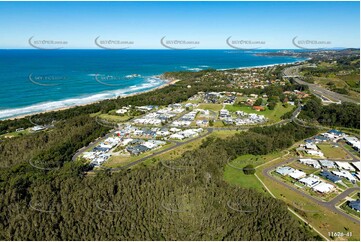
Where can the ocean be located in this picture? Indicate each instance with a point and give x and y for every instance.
(34, 81)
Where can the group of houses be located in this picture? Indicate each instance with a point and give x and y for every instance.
(158, 117)
(311, 149)
(184, 134)
(241, 118)
(101, 152)
(160, 133)
(335, 171)
(310, 145)
(311, 181)
(134, 146)
(185, 120)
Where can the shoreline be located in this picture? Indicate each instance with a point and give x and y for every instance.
(165, 84)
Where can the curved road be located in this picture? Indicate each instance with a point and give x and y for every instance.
(314, 88)
(330, 205)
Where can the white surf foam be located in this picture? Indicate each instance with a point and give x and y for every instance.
(149, 84)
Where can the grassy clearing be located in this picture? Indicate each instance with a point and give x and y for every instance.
(211, 106)
(334, 152)
(16, 134)
(114, 118)
(234, 175)
(237, 177)
(307, 169)
(224, 133)
(273, 115)
(352, 150)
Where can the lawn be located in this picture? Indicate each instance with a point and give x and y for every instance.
(272, 115)
(349, 210)
(114, 118)
(350, 149)
(333, 152)
(234, 175)
(211, 106)
(224, 133)
(237, 177)
(305, 168)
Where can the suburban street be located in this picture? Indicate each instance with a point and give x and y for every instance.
(329, 205)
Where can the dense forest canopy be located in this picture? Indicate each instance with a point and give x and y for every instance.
(145, 203)
(341, 115)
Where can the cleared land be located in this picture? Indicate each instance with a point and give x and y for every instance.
(273, 115)
(234, 175)
(332, 151)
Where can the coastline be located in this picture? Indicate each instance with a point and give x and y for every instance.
(165, 84)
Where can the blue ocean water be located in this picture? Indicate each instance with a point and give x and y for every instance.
(41, 80)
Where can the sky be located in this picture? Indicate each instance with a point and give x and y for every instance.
(206, 24)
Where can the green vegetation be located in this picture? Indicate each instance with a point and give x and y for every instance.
(237, 177)
(318, 216)
(331, 151)
(249, 170)
(342, 75)
(145, 196)
(114, 118)
(273, 115)
(349, 210)
(61, 202)
(345, 114)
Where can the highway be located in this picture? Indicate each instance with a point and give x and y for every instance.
(314, 88)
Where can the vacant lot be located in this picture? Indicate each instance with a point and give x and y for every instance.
(211, 106)
(272, 115)
(335, 152)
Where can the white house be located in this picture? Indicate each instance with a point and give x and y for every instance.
(345, 166)
(310, 181)
(310, 162)
(323, 187)
(297, 174)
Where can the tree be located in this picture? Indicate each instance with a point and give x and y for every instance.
(258, 102)
(249, 170)
(272, 105)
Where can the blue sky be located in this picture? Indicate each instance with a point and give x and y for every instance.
(209, 23)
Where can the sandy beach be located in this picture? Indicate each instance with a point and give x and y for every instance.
(165, 84)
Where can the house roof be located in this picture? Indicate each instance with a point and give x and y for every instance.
(354, 204)
(328, 175)
(323, 187)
